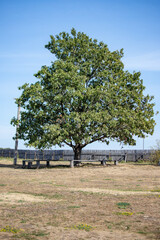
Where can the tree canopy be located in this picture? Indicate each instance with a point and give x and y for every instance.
(83, 97)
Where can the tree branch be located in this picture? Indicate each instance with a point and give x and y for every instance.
(69, 144)
(94, 140)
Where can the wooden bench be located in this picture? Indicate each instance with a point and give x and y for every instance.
(30, 161)
(121, 157)
(93, 158)
(103, 162)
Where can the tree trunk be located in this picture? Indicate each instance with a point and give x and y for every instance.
(77, 154)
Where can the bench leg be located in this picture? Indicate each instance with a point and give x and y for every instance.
(72, 164)
(125, 158)
(24, 164)
(115, 162)
(37, 164)
(48, 164)
(29, 164)
(103, 163)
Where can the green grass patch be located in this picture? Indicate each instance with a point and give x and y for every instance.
(155, 190)
(3, 185)
(23, 221)
(109, 227)
(140, 212)
(39, 234)
(143, 162)
(142, 232)
(32, 235)
(72, 207)
(123, 205)
(82, 226)
(26, 236)
(57, 196)
(83, 180)
(92, 193)
(21, 201)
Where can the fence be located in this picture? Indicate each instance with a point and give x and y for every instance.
(132, 155)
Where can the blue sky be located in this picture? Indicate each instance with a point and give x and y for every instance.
(25, 28)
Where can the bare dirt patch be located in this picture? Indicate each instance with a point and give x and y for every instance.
(18, 198)
(113, 192)
(88, 202)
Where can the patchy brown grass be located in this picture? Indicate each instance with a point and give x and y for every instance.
(88, 202)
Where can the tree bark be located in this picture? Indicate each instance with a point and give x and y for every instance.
(16, 141)
(77, 154)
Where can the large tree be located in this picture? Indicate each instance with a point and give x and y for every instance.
(83, 97)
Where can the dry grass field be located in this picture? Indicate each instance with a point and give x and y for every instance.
(87, 202)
